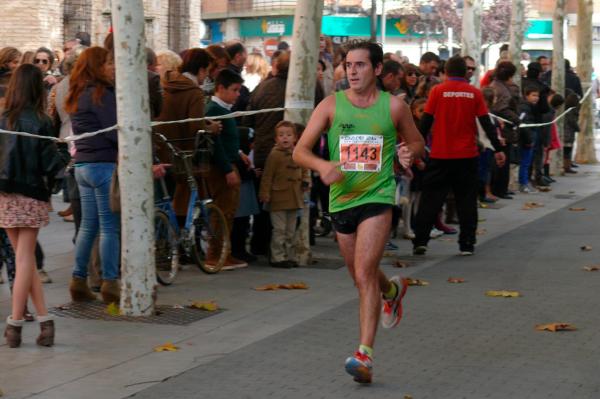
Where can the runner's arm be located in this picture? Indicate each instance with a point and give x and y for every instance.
(405, 126)
(318, 123)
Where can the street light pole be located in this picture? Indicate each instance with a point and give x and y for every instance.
(135, 160)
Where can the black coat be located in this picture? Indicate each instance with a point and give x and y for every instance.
(27, 164)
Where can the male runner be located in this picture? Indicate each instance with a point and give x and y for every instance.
(363, 127)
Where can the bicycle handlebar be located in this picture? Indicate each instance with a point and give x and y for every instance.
(174, 149)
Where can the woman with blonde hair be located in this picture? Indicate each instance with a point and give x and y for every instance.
(255, 71)
(167, 60)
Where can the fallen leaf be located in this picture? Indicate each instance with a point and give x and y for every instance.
(574, 209)
(408, 397)
(401, 263)
(484, 206)
(388, 254)
(481, 232)
(544, 189)
(532, 205)
(290, 286)
(456, 280)
(113, 309)
(416, 281)
(586, 247)
(210, 306)
(591, 268)
(168, 347)
(503, 294)
(177, 306)
(571, 192)
(554, 327)
(446, 239)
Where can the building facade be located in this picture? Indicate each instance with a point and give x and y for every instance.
(29, 24)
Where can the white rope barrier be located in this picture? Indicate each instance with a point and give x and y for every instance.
(559, 117)
(67, 139)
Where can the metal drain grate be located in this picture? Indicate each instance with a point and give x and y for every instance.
(163, 314)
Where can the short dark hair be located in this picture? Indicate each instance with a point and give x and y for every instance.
(284, 46)
(428, 57)
(84, 38)
(195, 59)
(47, 51)
(374, 49)
(227, 78)
(505, 70)
(286, 124)
(504, 47)
(391, 66)
(456, 66)
(234, 49)
(541, 57)
(530, 89)
(556, 101)
(468, 57)
(323, 65)
(534, 69)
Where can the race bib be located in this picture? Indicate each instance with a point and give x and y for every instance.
(361, 152)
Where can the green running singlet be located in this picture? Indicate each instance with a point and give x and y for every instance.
(365, 139)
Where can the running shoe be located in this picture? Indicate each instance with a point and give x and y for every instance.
(360, 366)
(391, 309)
(435, 233)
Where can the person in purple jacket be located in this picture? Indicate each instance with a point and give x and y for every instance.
(91, 104)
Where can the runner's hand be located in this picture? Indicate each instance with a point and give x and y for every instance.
(214, 127)
(405, 155)
(500, 158)
(332, 174)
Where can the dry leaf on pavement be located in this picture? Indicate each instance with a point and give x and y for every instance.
(456, 280)
(168, 347)
(586, 247)
(113, 309)
(544, 189)
(210, 306)
(503, 294)
(291, 286)
(574, 209)
(531, 205)
(416, 281)
(401, 263)
(591, 268)
(554, 327)
(481, 232)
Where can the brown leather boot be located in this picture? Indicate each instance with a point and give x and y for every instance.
(80, 292)
(12, 333)
(110, 291)
(46, 337)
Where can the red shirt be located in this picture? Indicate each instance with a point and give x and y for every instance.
(455, 106)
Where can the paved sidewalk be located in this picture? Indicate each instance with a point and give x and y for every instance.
(453, 343)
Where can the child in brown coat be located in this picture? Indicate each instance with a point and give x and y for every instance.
(281, 187)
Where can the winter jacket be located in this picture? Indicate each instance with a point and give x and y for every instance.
(26, 164)
(270, 93)
(282, 181)
(226, 144)
(507, 97)
(91, 116)
(526, 134)
(571, 127)
(182, 99)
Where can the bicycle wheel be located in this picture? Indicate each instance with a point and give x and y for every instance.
(166, 249)
(211, 238)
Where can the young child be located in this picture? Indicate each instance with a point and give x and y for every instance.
(527, 137)
(281, 187)
(554, 100)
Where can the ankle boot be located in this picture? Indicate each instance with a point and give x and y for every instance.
(110, 291)
(13, 332)
(547, 173)
(46, 337)
(80, 292)
(567, 166)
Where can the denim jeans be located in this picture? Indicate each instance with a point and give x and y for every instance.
(93, 180)
(526, 159)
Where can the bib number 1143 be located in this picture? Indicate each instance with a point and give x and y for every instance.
(361, 152)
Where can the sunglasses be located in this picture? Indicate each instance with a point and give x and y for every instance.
(411, 74)
(471, 68)
(38, 61)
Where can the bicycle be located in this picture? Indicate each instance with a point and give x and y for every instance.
(205, 228)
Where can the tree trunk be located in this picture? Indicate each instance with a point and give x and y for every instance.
(135, 160)
(300, 89)
(471, 34)
(517, 33)
(373, 37)
(586, 150)
(558, 78)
